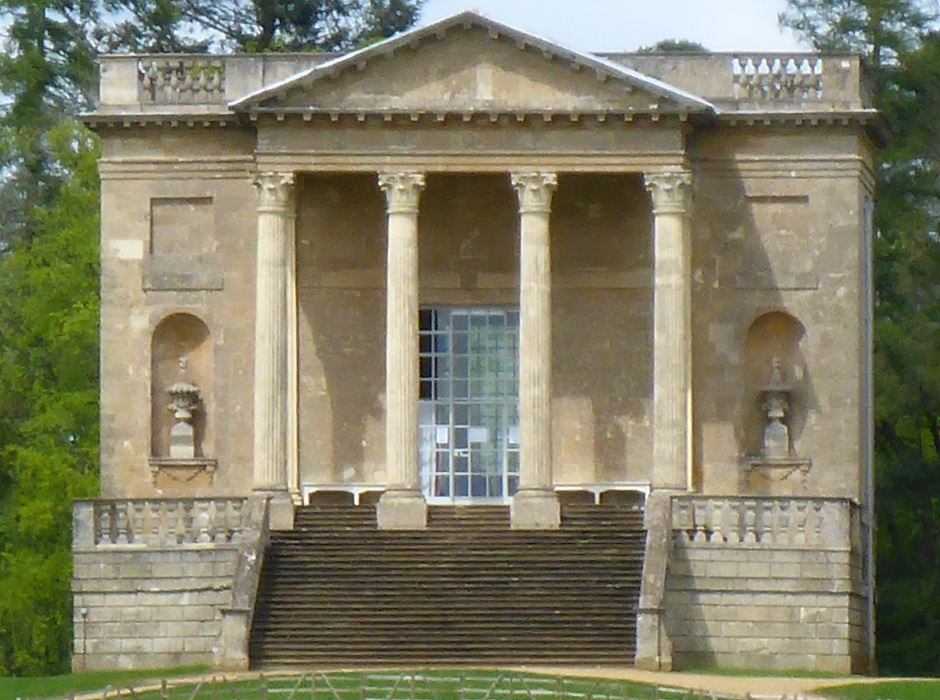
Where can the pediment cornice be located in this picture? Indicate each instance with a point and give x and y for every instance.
(576, 78)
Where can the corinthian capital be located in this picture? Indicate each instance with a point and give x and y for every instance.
(402, 191)
(534, 191)
(275, 191)
(671, 190)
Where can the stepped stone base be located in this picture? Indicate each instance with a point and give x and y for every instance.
(468, 589)
(402, 510)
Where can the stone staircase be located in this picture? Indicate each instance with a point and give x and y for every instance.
(468, 590)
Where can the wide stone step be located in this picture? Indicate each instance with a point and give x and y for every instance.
(467, 590)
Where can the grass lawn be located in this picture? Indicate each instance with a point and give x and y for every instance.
(391, 685)
(60, 686)
(888, 690)
(756, 673)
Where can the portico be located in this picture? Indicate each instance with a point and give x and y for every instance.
(535, 504)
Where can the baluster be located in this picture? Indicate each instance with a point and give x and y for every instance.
(121, 522)
(184, 522)
(799, 522)
(765, 522)
(103, 523)
(749, 515)
(700, 521)
(682, 520)
(782, 530)
(201, 521)
(716, 521)
(135, 533)
(172, 521)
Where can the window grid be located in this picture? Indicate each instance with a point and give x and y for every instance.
(469, 403)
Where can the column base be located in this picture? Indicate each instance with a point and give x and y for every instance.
(280, 509)
(535, 509)
(402, 510)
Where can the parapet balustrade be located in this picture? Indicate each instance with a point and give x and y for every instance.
(168, 522)
(788, 522)
(181, 80)
(196, 83)
(777, 77)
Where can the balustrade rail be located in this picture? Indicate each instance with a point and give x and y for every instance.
(777, 77)
(181, 80)
(168, 522)
(191, 80)
(799, 522)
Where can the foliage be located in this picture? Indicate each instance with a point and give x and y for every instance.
(674, 46)
(904, 55)
(878, 29)
(46, 69)
(258, 25)
(48, 411)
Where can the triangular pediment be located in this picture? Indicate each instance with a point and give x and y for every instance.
(470, 64)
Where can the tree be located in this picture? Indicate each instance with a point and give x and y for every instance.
(674, 46)
(48, 410)
(259, 25)
(904, 56)
(877, 29)
(46, 70)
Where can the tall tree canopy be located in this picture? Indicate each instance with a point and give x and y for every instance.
(256, 25)
(904, 55)
(49, 260)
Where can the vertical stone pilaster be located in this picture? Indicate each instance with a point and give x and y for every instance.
(535, 505)
(670, 191)
(402, 506)
(275, 217)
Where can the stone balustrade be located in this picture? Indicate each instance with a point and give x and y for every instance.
(158, 523)
(789, 77)
(199, 83)
(181, 80)
(771, 522)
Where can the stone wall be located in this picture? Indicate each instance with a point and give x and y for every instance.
(150, 581)
(767, 584)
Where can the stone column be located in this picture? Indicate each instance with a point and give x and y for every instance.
(275, 216)
(402, 506)
(535, 505)
(293, 363)
(670, 191)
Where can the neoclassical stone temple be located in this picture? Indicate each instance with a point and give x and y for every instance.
(468, 267)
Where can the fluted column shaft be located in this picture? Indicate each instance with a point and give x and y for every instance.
(534, 191)
(535, 329)
(672, 328)
(402, 506)
(275, 217)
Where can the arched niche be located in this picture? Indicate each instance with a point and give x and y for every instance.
(181, 336)
(774, 339)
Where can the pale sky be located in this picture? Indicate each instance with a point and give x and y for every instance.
(625, 25)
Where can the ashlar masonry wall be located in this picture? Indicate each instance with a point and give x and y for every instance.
(770, 584)
(151, 579)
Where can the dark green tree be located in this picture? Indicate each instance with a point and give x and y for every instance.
(48, 410)
(46, 70)
(279, 25)
(674, 46)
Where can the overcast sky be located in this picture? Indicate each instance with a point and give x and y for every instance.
(625, 25)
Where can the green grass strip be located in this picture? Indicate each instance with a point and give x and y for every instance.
(60, 686)
(887, 690)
